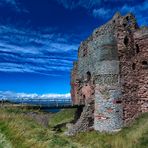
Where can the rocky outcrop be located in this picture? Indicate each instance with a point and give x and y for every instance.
(112, 70)
(86, 120)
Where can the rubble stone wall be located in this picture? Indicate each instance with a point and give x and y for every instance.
(112, 70)
(141, 60)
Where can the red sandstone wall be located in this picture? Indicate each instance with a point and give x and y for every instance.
(141, 42)
(133, 50)
(128, 76)
(74, 85)
(132, 43)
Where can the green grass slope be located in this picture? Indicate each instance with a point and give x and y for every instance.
(135, 136)
(20, 131)
(64, 116)
(4, 143)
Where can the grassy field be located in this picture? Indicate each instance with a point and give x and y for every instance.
(20, 131)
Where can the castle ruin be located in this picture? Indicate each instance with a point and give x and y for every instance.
(110, 76)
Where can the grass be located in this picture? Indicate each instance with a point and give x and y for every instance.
(19, 131)
(23, 132)
(135, 136)
(4, 143)
(62, 117)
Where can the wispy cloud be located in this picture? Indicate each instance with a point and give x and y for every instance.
(72, 4)
(14, 4)
(12, 96)
(138, 10)
(35, 51)
(10, 2)
(101, 13)
(104, 9)
(88, 4)
(46, 50)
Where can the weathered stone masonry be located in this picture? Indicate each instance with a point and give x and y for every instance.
(111, 75)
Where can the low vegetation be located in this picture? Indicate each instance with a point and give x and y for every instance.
(4, 143)
(20, 131)
(62, 117)
(135, 136)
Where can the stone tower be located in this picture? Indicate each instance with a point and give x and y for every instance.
(112, 72)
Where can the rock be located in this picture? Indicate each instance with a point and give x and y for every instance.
(85, 121)
(69, 125)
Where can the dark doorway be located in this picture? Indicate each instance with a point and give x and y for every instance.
(88, 76)
(137, 48)
(126, 40)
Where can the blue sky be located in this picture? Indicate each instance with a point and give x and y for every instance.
(39, 39)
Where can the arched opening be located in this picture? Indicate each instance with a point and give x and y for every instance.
(88, 74)
(118, 101)
(124, 24)
(126, 40)
(127, 18)
(137, 48)
(144, 63)
(84, 52)
(78, 113)
(84, 97)
(134, 66)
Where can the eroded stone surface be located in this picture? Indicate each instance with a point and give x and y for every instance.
(86, 120)
(112, 70)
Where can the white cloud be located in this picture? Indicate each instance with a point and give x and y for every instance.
(101, 12)
(72, 4)
(137, 10)
(41, 51)
(22, 37)
(12, 96)
(14, 4)
(62, 47)
(89, 3)
(11, 2)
